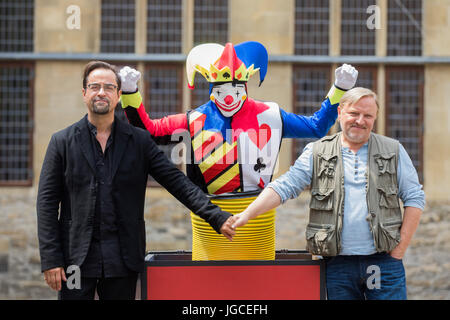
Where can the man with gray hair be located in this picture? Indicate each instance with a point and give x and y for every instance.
(357, 178)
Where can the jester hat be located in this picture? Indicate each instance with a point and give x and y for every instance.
(217, 63)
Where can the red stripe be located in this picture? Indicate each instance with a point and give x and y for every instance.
(208, 145)
(145, 118)
(220, 165)
(197, 125)
(261, 183)
(230, 186)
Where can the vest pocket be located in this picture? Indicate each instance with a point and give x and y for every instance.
(327, 165)
(388, 197)
(389, 235)
(320, 239)
(321, 199)
(386, 163)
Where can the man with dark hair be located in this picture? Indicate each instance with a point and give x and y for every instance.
(90, 204)
(91, 66)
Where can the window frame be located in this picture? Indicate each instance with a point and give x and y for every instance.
(110, 40)
(297, 36)
(28, 182)
(421, 92)
(363, 49)
(403, 49)
(210, 4)
(330, 73)
(29, 42)
(165, 49)
(146, 99)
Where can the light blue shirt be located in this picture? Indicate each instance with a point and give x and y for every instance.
(356, 236)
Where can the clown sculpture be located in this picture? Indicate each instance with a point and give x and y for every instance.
(234, 140)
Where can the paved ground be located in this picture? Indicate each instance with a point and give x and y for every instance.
(427, 261)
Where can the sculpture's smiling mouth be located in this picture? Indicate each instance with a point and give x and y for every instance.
(222, 106)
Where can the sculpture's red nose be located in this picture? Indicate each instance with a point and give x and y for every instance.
(228, 99)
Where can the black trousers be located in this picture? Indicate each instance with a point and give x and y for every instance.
(107, 289)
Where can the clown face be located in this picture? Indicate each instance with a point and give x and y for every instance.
(229, 97)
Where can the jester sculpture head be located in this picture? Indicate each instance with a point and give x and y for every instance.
(227, 69)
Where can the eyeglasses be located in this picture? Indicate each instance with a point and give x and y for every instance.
(107, 87)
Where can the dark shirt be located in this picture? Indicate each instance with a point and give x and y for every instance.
(104, 258)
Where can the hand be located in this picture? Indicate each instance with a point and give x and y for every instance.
(346, 76)
(240, 219)
(129, 78)
(53, 278)
(227, 230)
(397, 253)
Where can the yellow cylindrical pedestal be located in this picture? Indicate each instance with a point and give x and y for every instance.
(254, 241)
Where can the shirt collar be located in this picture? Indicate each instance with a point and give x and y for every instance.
(364, 147)
(93, 129)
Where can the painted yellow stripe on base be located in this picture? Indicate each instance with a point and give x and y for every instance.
(254, 241)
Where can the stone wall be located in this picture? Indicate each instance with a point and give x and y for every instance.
(427, 260)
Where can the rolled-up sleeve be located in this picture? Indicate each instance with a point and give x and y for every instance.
(410, 190)
(294, 181)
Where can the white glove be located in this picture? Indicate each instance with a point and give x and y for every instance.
(346, 76)
(129, 78)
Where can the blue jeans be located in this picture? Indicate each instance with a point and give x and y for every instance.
(373, 277)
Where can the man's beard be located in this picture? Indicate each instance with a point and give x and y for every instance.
(357, 137)
(102, 108)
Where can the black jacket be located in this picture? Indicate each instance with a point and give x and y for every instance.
(67, 194)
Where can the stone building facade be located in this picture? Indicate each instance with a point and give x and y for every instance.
(400, 48)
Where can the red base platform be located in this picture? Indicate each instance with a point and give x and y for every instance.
(293, 275)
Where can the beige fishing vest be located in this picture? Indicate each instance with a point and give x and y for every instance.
(323, 233)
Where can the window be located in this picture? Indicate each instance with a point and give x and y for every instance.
(311, 84)
(210, 26)
(163, 95)
(163, 90)
(210, 21)
(200, 93)
(16, 25)
(311, 27)
(164, 26)
(16, 131)
(404, 111)
(356, 38)
(404, 28)
(118, 26)
(367, 77)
